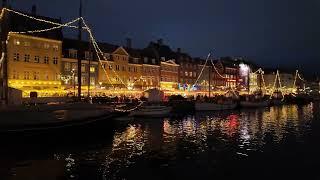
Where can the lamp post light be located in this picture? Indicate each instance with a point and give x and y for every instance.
(74, 81)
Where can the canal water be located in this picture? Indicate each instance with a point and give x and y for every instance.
(275, 142)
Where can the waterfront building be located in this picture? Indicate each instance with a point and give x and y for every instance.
(225, 74)
(34, 59)
(150, 69)
(188, 71)
(69, 66)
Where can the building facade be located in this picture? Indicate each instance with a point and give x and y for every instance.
(34, 64)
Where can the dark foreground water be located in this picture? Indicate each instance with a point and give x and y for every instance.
(276, 142)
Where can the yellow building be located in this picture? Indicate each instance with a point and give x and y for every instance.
(120, 70)
(34, 64)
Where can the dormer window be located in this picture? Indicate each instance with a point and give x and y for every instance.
(73, 53)
(88, 55)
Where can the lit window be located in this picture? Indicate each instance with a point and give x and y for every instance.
(46, 46)
(46, 60)
(16, 42)
(186, 73)
(117, 67)
(67, 66)
(74, 66)
(55, 47)
(110, 67)
(92, 69)
(27, 58)
(92, 81)
(36, 59)
(16, 56)
(83, 80)
(55, 60)
(83, 67)
(26, 75)
(35, 75)
(190, 74)
(26, 43)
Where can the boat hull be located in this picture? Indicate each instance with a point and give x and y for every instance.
(247, 104)
(214, 107)
(162, 112)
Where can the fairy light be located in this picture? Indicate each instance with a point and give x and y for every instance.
(214, 67)
(38, 19)
(48, 29)
(202, 70)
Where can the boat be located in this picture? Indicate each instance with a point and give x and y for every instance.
(208, 106)
(277, 98)
(254, 104)
(152, 111)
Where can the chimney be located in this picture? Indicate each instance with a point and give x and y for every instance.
(160, 42)
(179, 50)
(129, 42)
(34, 10)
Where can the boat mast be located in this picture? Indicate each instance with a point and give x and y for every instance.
(79, 51)
(209, 81)
(4, 35)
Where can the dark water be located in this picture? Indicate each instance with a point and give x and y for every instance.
(276, 142)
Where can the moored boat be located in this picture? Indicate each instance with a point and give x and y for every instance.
(210, 106)
(152, 111)
(254, 104)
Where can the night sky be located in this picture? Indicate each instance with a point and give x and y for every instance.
(270, 32)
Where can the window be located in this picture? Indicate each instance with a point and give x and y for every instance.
(129, 69)
(36, 59)
(55, 60)
(190, 74)
(14, 74)
(88, 55)
(46, 75)
(123, 68)
(27, 58)
(107, 56)
(153, 61)
(145, 60)
(35, 75)
(55, 47)
(16, 56)
(74, 66)
(26, 75)
(26, 43)
(117, 67)
(163, 58)
(83, 80)
(92, 69)
(83, 67)
(194, 74)
(124, 58)
(46, 60)
(73, 53)
(16, 42)
(92, 81)
(46, 45)
(110, 67)
(134, 69)
(186, 73)
(67, 66)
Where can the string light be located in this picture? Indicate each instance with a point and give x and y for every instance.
(202, 70)
(38, 19)
(217, 70)
(48, 29)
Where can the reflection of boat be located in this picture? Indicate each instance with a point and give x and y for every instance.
(277, 98)
(152, 111)
(207, 106)
(253, 104)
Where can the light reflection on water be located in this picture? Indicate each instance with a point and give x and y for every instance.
(206, 139)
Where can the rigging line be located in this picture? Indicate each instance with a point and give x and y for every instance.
(202, 70)
(48, 29)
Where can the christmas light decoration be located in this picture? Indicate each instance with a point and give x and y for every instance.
(202, 70)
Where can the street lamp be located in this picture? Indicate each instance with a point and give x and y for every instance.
(74, 81)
